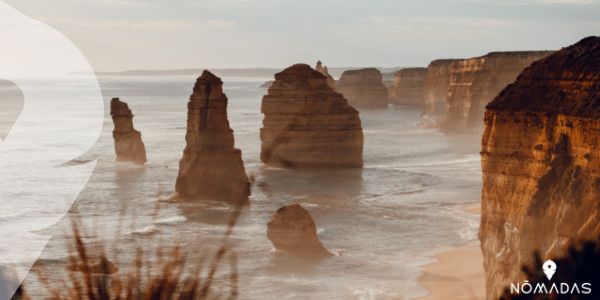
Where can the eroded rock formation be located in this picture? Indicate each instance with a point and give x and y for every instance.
(323, 70)
(476, 81)
(294, 231)
(541, 163)
(407, 89)
(128, 141)
(364, 88)
(211, 168)
(307, 124)
(435, 92)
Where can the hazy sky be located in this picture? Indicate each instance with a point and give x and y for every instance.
(167, 34)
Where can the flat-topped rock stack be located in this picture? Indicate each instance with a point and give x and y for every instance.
(211, 168)
(407, 89)
(309, 125)
(129, 146)
(364, 88)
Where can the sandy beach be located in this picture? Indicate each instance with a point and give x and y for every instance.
(457, 274)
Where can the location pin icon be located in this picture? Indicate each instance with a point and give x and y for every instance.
(549, 268)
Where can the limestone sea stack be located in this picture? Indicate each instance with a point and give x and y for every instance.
(476, 81)
(293, 230)
(364, 88)
(435, 92)
(407, 89)
(211, 168)
(309, 125)
(540, 159)
(129, 146)
(323, 70)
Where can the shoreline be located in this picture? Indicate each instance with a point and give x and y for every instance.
(456, 273)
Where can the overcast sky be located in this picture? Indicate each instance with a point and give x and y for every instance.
(170, 34)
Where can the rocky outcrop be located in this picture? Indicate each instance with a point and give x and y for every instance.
(435, 92)
(211, 168)
(293, 230)
(128, 141)
(323, 70)
(541, 163)
(266, 84)
(307, 124)
(364, 88)
(407, 89)
(476, 81)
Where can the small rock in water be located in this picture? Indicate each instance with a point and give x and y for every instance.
(294, 231)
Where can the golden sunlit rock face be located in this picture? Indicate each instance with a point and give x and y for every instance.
(364, 88)
(456, 91)
(541, 163)
(128, 141)
(211, 167)
(407, 89)
(309, 125)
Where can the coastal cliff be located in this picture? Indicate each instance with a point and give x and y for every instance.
(128, 141)
(309, 125)
(211, 168)
(540, 159)
(407, 88)
(435, 92)
(364, 88)
(476, 81)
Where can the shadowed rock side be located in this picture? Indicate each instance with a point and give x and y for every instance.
(293, 230)
(541, 163)
(128, 141)
(323, 70)
(364, 88)
(476, 81)
(407, 89)
(435, 92)
(307, 124)
(211, 168)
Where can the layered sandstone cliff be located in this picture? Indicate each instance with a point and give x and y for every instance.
(323, 70)
(128, 141)
(364, 88)
(211, 168)
(435, 92)
(476, 81)
(407, 89)
(541, 163)
(293, 230)
(307, 124)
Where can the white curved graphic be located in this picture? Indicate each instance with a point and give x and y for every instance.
(61, 119)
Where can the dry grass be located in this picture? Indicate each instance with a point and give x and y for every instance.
(90, 275)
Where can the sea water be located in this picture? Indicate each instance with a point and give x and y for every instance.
(383, 222)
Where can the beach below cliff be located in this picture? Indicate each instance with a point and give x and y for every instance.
(456, 273)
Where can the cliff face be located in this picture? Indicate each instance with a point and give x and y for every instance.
(364, 88)
(408, 87)
(323, 70)
(211, 167)
(435, 92)
(307, 124)
(541, 163)
(476, 81)
(128, 141)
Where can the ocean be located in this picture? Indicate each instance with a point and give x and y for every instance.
(383, 222)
